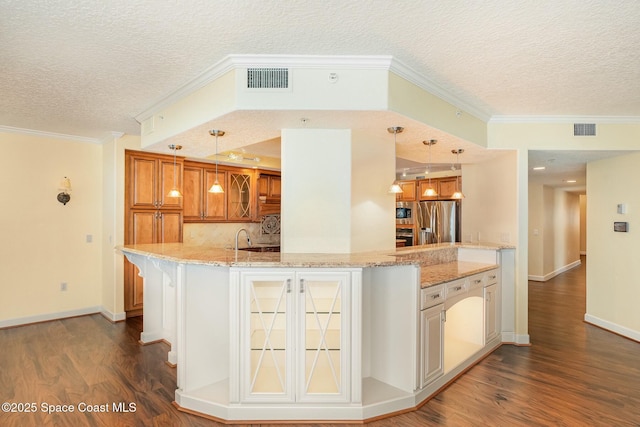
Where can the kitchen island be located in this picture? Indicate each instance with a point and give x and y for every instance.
(312, 337)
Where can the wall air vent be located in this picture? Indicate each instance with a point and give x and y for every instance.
(584, 129)
(267, 78)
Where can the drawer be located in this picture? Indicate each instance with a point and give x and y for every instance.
(492, 277)
(456, 287)
(431, 296)
(477, 280)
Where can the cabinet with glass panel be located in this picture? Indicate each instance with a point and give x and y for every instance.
(294, 334)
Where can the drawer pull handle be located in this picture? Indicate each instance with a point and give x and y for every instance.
(288, 286)
(492, 277)
(435, 296)
(477, 281)
(457, 288)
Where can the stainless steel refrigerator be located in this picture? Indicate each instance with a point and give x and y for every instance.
(438, 221)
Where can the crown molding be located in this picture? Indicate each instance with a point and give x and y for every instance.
(9, 129)
(423, 82)
(369, 62)
(565, 119)
(232, 62)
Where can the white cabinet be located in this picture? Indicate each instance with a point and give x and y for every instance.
(295, 337)
(431, 335)
(491, 307)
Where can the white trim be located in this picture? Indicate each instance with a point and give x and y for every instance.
(19, 321)
(613, 327)
(565, 119)
(407, 73)
(113, 317)
(9, 129)
(555, 273)
(513, 338)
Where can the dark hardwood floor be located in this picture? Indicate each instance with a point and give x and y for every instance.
(574, 374)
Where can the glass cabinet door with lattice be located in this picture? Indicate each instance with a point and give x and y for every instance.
(293, 336)
(323, 336)
(239, 199)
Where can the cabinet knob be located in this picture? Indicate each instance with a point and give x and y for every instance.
(302, 286)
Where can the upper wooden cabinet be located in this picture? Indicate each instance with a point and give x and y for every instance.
(199, 204)
(269, 185)
(150, 177)
(445, 187)
(237, 203)
(408, 191)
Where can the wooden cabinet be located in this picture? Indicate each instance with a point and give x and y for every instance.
(150, 215)
(149, 180)
(408, 191)
(445, 187)
(422, 187)
(199, 204)
(235, 204)
(269, 193)
(294, 331)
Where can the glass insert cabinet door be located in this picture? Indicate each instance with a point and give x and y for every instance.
(239, 195)
(294, 337)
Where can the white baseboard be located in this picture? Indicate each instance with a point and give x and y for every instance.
(517, 339)
(555, 273)
(113, 317)
(613, 327)
(19, 321)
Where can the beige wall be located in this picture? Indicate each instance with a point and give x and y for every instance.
(613, 269)
(554, 231)
(583, 224)
(44, 243)
(489, 211)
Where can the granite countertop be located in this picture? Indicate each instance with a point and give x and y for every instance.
(441, 273)
(179, 252)
(209, 255)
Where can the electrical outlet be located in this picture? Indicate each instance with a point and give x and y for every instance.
(63, 286)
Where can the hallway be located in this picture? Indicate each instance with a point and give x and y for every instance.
(574, 374)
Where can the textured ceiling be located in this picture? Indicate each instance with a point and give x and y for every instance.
(87, 68)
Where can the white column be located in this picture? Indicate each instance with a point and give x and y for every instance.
(334, 192)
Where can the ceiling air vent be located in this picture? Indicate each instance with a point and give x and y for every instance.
(584, 129)
(267, 78)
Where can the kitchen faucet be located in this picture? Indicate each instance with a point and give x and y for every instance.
(248, 238)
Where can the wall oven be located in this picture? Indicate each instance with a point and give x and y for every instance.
(405, 234)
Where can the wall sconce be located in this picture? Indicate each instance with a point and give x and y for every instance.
(65, 189)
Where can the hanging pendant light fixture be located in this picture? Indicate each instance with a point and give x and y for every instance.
(216, 187)
(458, 194)
(430, 191)
(175, 192)
(395, 130)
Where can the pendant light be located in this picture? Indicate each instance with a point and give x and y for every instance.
(395, 130)
(430, 191)
(216, 187)
(175, 192)
(458, 194)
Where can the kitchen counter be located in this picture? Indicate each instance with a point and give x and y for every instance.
(201, 300)
(208, 255)
(447, 272)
